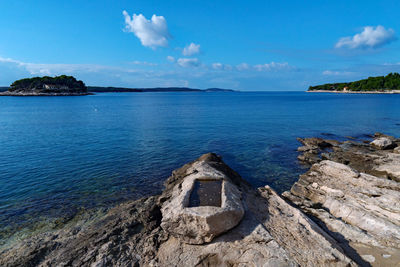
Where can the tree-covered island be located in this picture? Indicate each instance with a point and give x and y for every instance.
(381, 84)
(47, 86)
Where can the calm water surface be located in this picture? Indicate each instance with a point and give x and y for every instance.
(58, 154)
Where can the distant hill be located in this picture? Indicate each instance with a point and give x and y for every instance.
(218, 90)
(100, 89)
(64, 85)
(389, 82)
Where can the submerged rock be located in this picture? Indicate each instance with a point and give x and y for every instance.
(312, 148)
(270, 233)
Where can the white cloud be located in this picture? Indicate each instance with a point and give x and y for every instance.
(220, 66)
(370, 37)
(243, 66)
(54, 69)
(170, 58)
(191, 49)
(272, 66)
(131, 75)
(188, 62)
(151, 33)
(217, 66)
(9, 60)
(145, 63)
(336, 73)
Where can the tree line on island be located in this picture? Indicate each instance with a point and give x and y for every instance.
(381, 83)
(49, 84)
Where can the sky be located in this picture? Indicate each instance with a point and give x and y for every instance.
(244, 45)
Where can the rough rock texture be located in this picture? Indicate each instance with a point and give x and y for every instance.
(383, 143)
(197, 225)
(312, 148)
(271, 233)
(355, 197)
(126, 236)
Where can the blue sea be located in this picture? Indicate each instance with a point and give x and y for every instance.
(61, 154)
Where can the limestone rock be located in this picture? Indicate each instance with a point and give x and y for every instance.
(355, 202)
(200, 224)
(396, 150)
(383, 143)
(271, 233)
(312, 147)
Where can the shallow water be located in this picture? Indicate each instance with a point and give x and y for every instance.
(59, 154)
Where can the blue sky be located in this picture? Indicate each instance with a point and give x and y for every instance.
(246, 45)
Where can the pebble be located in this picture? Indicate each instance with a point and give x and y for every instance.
(368, 258)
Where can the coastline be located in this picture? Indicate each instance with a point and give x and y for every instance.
(136, 232)
(43, 94)
(355, 92)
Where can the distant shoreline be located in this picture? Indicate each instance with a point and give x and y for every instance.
(7, 93)
(91, 90)
(100, 89)
(355, 92)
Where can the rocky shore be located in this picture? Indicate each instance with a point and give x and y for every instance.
(352, 191)
(355, 92)
(33, 93)
(345, 211)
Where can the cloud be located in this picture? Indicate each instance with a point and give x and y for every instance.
(9, 60)
(217, 66)
(273, 66)
(188, 62)
(144, 63)
(170, 58)
(191, 49)
(56, 69)
(220, 66)
(370, 37)
(243, 66)
(186, 72)
(101, 75)
(151, 33)
(336, 73)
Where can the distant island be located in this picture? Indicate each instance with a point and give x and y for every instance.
(99, 89)
(381, 84)
(47, 86)
(68, 85)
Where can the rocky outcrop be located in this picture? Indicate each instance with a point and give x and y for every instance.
(197, 223)
(345, 211)
(270, 233)
(353, 193)
(383, 143)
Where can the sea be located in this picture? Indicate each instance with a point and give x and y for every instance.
(62, 155)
